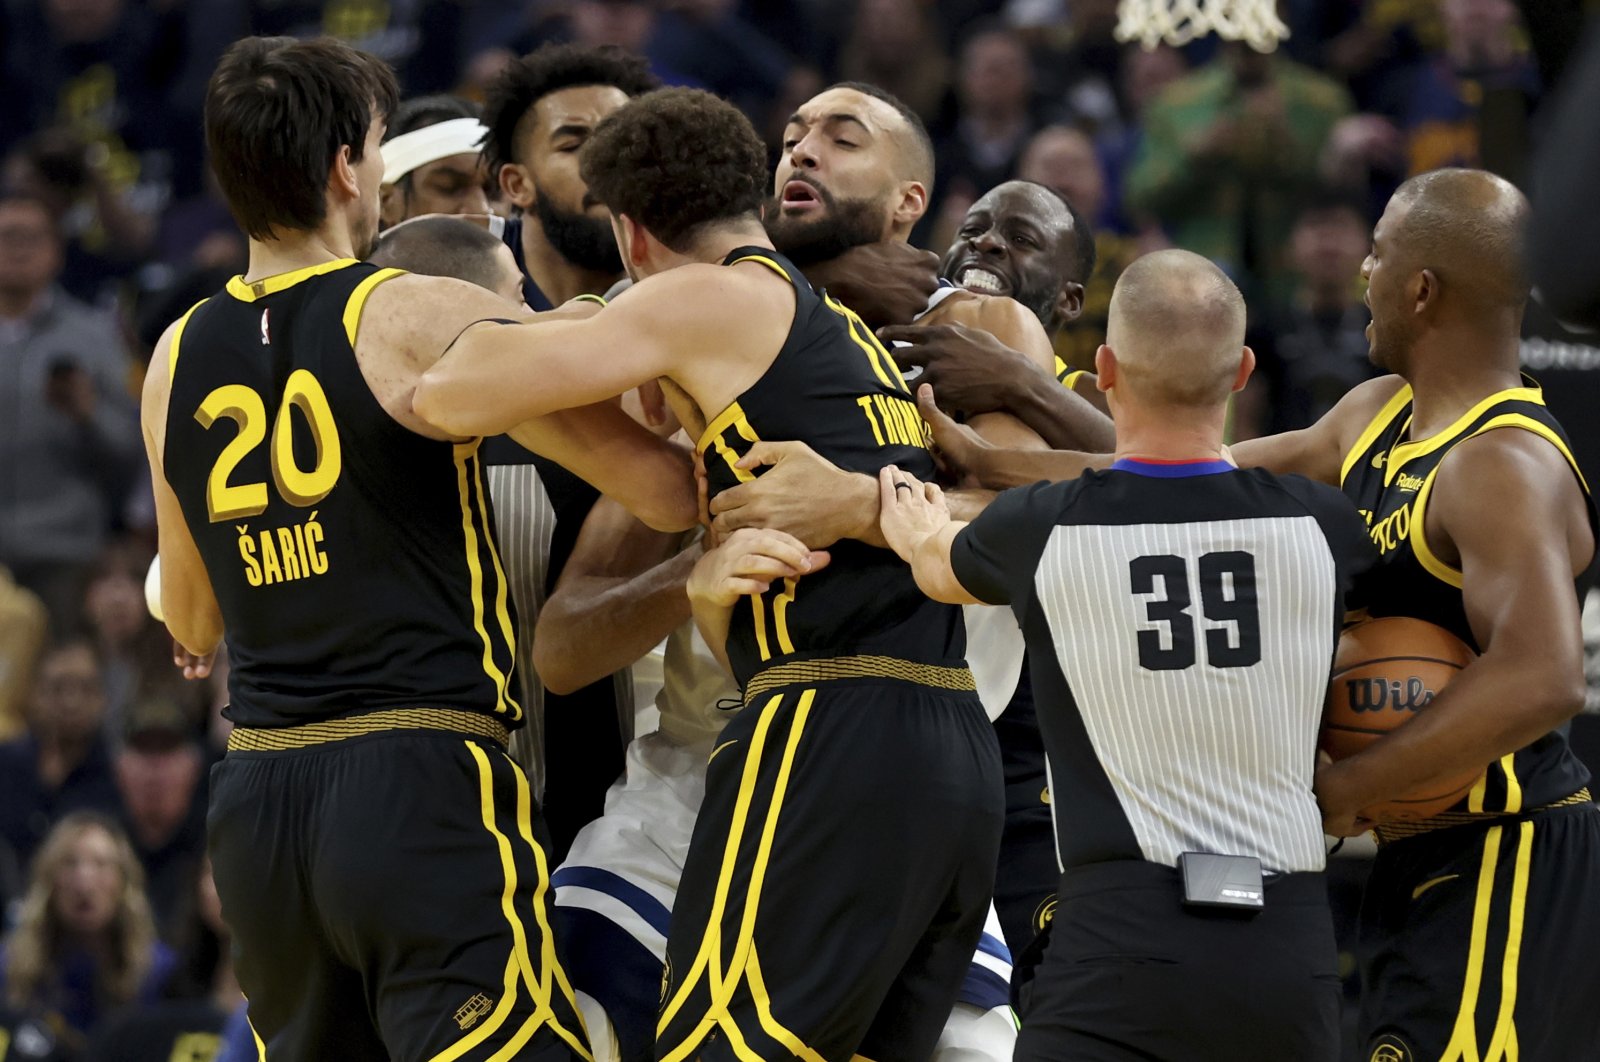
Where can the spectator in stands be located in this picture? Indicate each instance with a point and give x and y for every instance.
(993, 121)
(1227, 152)
(1145, 75)
(1311, 348)
(1484, 53)
(62, 764)
(713, 42)
(132, 647)
(160, 772)
(69, 442)
(897, 45)
(451, 184)
(1063, 158)
(84, 943)
(203, 992)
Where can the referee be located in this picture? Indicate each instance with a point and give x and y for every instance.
(1181, 616)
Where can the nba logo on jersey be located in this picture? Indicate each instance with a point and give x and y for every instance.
(266, 334)
(1391, 1048)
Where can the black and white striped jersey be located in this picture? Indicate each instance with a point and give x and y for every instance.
(1181, 621)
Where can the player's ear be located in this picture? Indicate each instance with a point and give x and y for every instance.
(1247, 365)
(913, 203)
(635, 241)
(1105, 368)
(342, 176)
(516, 184)
(1424, 291)
(1069, 302)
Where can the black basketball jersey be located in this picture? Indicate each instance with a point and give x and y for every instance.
(834, 387)
(1181, 622)
(354, 560)
(1389, 477)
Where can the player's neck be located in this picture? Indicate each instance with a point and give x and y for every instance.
(1162, 435)
(719, 243)
(555, 275)
(269, 258)
(1457, 376)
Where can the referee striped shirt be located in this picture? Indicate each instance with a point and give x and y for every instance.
(1181, 621)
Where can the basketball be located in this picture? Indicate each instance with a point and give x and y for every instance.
(1386, 671)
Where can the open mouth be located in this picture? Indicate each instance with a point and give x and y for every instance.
(798, 195)
(983, 281)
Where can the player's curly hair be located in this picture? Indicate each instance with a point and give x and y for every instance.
(677, 161)
(552, 68)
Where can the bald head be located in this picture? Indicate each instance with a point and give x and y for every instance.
(1468, 228)
(441, 245)
(1176, 328)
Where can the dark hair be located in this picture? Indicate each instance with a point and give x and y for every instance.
(419, 112)
(440, 246)
(277, 112)
(552, 68)
(922, 165)
(676, 161)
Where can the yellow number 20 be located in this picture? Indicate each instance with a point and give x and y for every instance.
(297, 486)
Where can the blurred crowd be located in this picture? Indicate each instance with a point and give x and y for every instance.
(1273, 166)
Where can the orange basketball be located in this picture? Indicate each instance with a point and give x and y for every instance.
(1387, 670)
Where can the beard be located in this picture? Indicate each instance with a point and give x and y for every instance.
(586, 242)
(1040, 299)
(848, 223)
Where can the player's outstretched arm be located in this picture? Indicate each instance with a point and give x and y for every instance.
(748, 562)
(1506, 510)
(621, 592)
(964, 452)
(917, 526)
(497, 376)
(1318, 452)
(188, 603)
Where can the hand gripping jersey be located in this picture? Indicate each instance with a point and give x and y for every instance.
(834, 387)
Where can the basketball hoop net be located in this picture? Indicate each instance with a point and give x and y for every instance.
(1177, 22)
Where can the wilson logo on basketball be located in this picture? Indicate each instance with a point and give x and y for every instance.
(1385, 695)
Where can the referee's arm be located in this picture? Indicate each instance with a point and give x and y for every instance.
(916, 524)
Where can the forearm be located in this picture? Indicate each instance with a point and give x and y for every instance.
(1491, 709)
(1003, 469)
(1063, 418)
(597, 626)
(713, 620)
(930, 564)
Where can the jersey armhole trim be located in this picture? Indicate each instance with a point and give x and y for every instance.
(177, 334)
(1374, 428)
(1419, 527)
(1070, 380)
(358, 301)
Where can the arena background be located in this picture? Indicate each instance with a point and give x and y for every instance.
(101, 122)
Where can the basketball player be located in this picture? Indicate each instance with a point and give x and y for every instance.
(1476, 941)
(431, 162)
(442, 246)
(374, 849)
(845, 923)
(539, 112)
(1200, 604)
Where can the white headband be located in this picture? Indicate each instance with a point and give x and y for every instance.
(458, 136)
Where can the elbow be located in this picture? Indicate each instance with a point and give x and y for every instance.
(552, 667)
(672, 518)
(439, 401)
(1558, 695)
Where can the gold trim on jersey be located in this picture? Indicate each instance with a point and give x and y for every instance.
(327, 731)
(251, 290)
(769, 263)
(519, 965)
(1419, 539)
(358, 301)
(1463, 1045)
(732, 417)
(177, 334)
(812, 672)
(465, 453)
(1389, 832)
(744, 966)
(878, 356)
(1070, 381)
(1375, 427)
(1409, 451)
